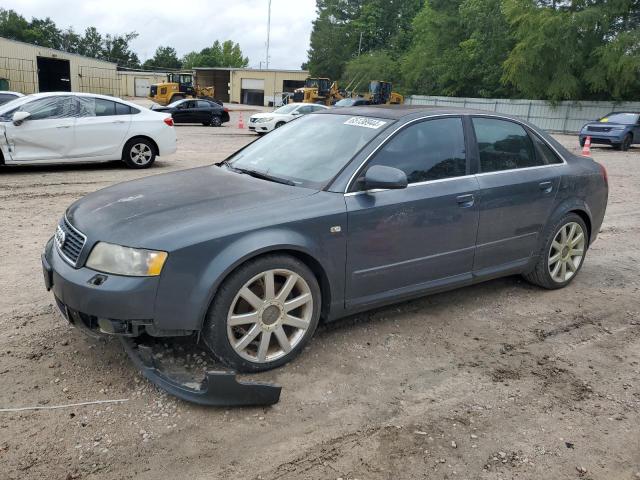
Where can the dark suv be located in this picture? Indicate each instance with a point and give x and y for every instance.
(618, 129)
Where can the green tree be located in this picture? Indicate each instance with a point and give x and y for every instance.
(91, 43)
(379, 65)
(458, 49)
(574, 50)
(165, 57)
(116, 48)
(226, 54)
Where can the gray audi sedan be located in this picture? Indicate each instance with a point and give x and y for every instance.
(334, 213)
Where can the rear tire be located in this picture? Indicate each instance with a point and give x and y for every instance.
(267, 330)
(568, 248)
(139, 153)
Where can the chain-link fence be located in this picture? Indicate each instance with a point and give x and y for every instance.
(563, 117)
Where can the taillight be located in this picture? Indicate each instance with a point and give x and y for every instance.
(605, 176)
(226, 109)
(169, 121)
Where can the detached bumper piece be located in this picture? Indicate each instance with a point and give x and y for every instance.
(219, 388)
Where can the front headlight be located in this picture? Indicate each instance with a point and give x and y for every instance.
(132, 262)
(264, 120)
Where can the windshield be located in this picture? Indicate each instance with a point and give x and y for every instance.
(311, 150)
(176, 103)
(345, 102)
(623, 118)
(286, 108)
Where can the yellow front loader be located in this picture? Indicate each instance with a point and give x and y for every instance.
(177, 87)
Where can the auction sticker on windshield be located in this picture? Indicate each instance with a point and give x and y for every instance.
(365, 122)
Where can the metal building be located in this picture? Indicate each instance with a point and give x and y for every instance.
(250, 86)
(28, 68)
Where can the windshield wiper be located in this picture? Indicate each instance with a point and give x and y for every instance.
(264, 176)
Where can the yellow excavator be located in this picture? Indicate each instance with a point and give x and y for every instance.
(177, 87)
(381, 93)
(318, 90)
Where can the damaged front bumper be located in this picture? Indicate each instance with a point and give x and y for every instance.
(219, 388)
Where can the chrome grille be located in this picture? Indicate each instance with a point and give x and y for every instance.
(599, 129)
(69, 241)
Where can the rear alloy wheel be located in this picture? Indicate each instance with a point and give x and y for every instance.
(566, 252)
(216, 121)
(562, 254)
(264, 314)
(139, 153)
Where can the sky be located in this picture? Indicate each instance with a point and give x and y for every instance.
(189, 25)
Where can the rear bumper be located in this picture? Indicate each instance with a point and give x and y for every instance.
(167, 142)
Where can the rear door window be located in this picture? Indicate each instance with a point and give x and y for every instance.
(429, 150)
(203, 104)
(96, 107)
(122, 109)
(549, 157)
(504, 145)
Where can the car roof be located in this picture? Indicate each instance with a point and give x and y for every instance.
(396, 112)
(9, 92)
(80, 94)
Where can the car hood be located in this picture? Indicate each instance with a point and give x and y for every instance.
(606, 124)
(164, 211)
(268, 115)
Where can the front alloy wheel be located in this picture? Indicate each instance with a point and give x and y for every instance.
(263, 314)
(269, 316)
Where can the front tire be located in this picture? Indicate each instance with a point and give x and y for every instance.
(562, 253)
(279, 124)
(139, 153)
(263, 314)
(626, 142)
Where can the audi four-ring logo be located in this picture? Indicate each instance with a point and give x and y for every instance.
(61, 237)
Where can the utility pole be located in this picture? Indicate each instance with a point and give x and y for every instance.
(359, 44)
(268, 32)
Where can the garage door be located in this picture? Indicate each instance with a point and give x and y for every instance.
(252, 84)
(141, 87)
(252, 91)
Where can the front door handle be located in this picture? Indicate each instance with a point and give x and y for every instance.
(546, 187)
(465, 201)
(63, 126)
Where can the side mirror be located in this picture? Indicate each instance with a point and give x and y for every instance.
(20, 117)
(388, 178)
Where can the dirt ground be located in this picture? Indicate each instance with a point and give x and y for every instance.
(497, 381)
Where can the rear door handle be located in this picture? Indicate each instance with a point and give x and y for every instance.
(465, 201)
(119, 121)
(546, 187)
(63, 126)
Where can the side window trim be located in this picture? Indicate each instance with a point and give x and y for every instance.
(354, 179)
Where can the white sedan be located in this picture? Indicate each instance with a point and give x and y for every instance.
(47, 128)
(265, 122)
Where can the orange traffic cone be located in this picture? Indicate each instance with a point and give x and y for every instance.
(586, 150)
(241, 122)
